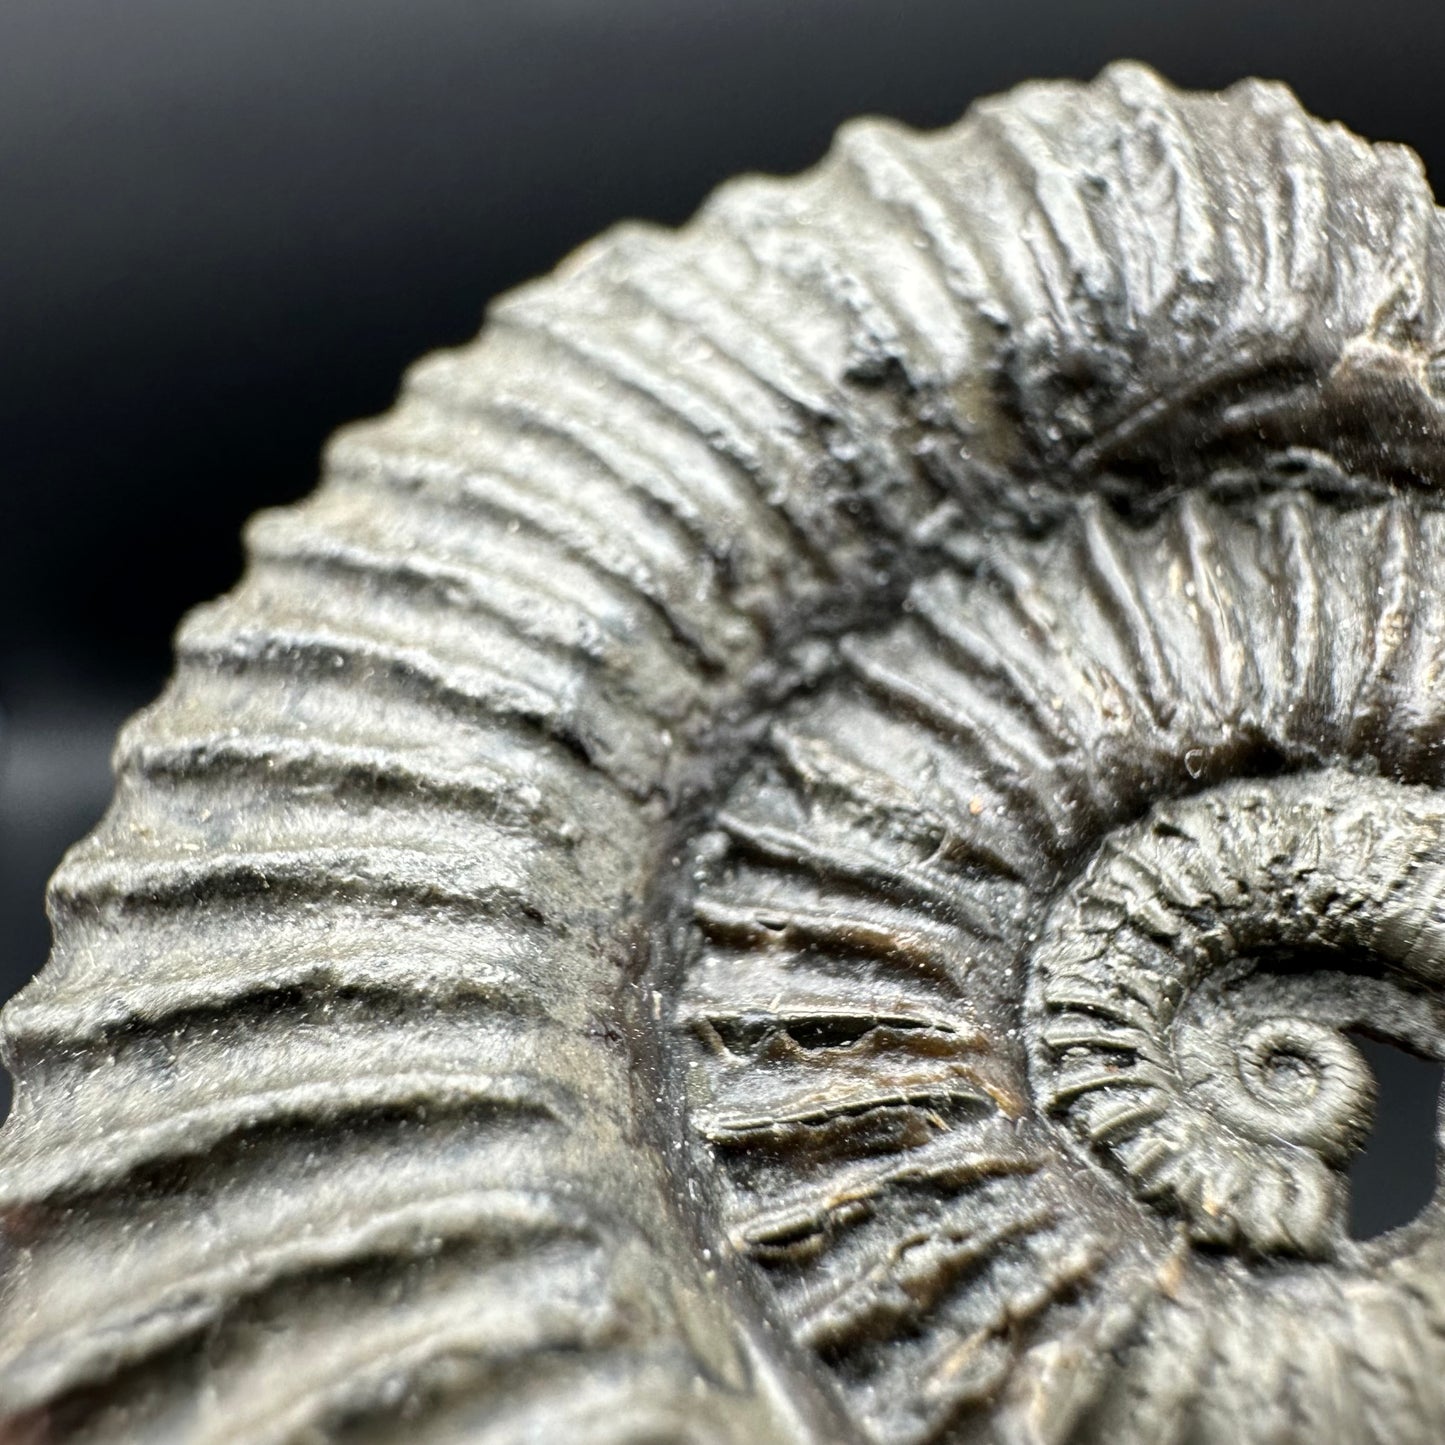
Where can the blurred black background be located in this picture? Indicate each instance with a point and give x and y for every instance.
(226, 227)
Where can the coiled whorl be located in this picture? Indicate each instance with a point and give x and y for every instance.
(1341, 868)
(582, 950)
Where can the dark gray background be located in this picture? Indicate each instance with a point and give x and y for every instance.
(226, 227)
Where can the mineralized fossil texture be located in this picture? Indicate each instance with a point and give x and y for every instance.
(795, 846)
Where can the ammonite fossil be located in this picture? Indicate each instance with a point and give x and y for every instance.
(797, 845)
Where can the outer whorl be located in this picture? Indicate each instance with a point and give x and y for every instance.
(788, 848)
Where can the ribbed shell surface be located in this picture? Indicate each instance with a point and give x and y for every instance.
(355, 1102)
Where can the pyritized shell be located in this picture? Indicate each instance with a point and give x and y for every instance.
(789, 849)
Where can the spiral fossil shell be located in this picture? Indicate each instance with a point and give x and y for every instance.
(791, 847)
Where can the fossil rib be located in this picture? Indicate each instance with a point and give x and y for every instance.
(581, 949)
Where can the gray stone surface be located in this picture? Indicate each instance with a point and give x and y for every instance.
(790, 847)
